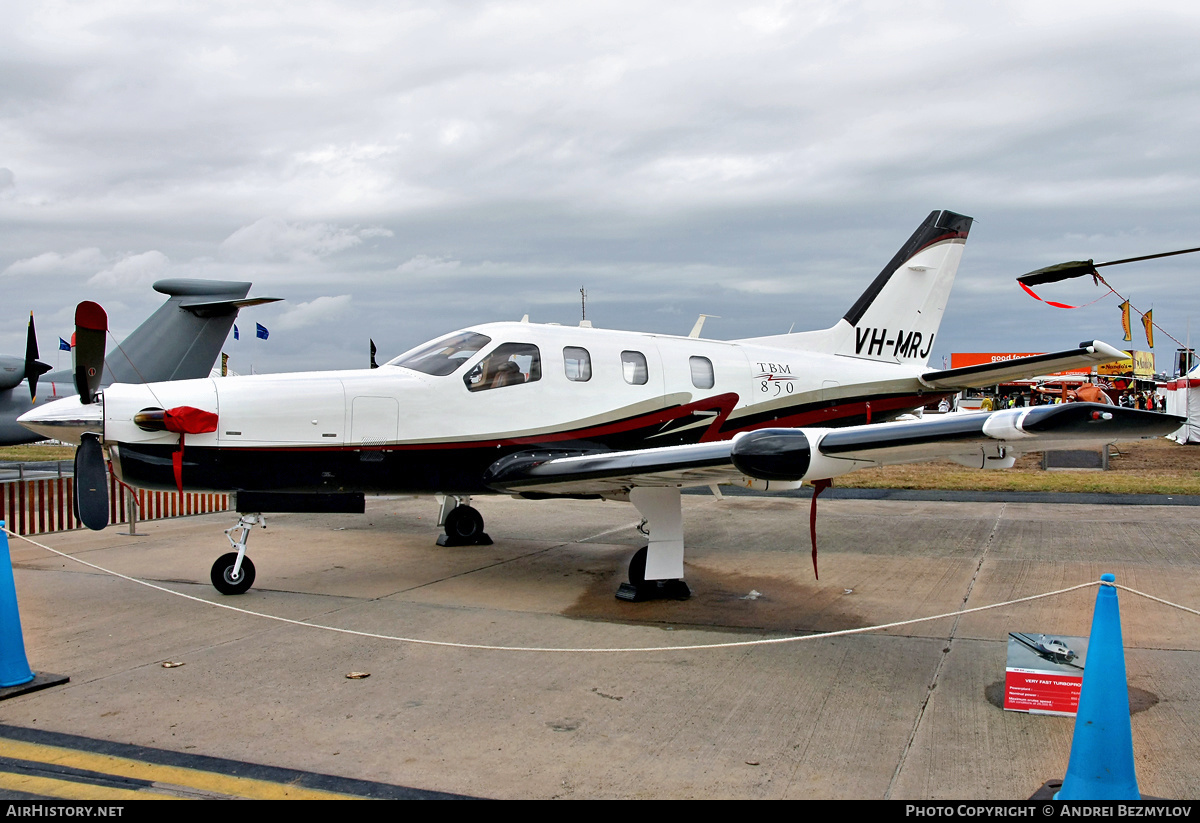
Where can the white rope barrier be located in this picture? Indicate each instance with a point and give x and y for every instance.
(657, 649)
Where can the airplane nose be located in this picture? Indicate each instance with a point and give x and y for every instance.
(65, 419)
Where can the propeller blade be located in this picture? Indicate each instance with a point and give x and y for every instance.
(91, 325)
(34, 368)
(1060, 271)
(1082, 268)
(91, 483)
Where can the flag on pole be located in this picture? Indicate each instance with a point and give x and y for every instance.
(374, 365)
(63, 345)
(224, 364)
(260, 331)
(1124, 307)
(236, 336)
(1148, 325)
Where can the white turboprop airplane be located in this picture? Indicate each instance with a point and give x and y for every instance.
(543, 411)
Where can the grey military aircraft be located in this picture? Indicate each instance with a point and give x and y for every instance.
(180, 341)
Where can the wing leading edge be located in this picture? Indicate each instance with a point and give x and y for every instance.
(1087, 355)
(807, 454)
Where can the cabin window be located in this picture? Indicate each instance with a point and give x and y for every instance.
(509, 364)
(577, 363)
(443, 356)
(633, 367)
(702, 372)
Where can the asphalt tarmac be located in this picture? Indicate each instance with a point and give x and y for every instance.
(906, 713)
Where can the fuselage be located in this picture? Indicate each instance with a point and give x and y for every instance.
(432, 422)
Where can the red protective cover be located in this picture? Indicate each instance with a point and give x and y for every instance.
(90, 315)
(188, 420)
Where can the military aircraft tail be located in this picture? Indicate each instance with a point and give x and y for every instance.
(182, 339)
(896, 319)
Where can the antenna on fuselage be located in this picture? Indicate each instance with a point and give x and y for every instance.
(584, 323)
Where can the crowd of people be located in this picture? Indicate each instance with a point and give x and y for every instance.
(1150, 401)
(1085, 392)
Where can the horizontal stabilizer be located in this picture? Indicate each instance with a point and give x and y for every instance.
(216, 308)
(1088, 354)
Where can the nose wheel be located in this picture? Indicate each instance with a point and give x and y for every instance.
(227, 578)
(233, 573)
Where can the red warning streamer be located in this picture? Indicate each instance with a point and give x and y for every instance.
(1058, 305)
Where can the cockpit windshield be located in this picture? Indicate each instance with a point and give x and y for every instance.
(442, 357)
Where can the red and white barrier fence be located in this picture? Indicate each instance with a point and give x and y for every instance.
(40, 506)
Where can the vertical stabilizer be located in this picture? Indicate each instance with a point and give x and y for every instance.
(182, 339)
(896, 319)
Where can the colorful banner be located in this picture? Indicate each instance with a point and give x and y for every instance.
(1138, 364)
(1148, 325)
(959, 360)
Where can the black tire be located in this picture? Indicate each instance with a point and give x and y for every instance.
(464, 523)
(222, 575)
(637, 566)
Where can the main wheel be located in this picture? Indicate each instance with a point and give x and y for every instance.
(464, 523)
(222, 575)
(637, 566)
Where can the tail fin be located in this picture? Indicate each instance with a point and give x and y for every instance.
(183, 338)
(897, 317)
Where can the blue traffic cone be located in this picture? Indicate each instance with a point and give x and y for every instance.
(1101, 765)
(14, 668)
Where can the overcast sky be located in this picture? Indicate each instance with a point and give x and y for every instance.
(396, 170)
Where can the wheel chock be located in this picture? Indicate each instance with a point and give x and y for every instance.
(654, 590)
(480, 539)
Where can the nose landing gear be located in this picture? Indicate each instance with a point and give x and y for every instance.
(233, 573)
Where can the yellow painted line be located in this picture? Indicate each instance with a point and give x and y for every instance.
(70, 790)
(246, 787)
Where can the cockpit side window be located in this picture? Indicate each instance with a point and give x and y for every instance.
(509, 364)
(444, 356)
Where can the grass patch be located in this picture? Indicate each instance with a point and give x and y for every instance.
(35, 453)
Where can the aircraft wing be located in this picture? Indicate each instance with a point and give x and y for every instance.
(991, 435)
(1088, 354)
(980, 439)
(699, 464)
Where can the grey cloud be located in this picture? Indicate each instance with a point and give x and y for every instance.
(768, 158)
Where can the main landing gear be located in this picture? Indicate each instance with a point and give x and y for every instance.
(656, 570)
(233, 573)
(462, 525)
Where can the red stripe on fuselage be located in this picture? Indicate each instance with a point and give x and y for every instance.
(831, 416)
